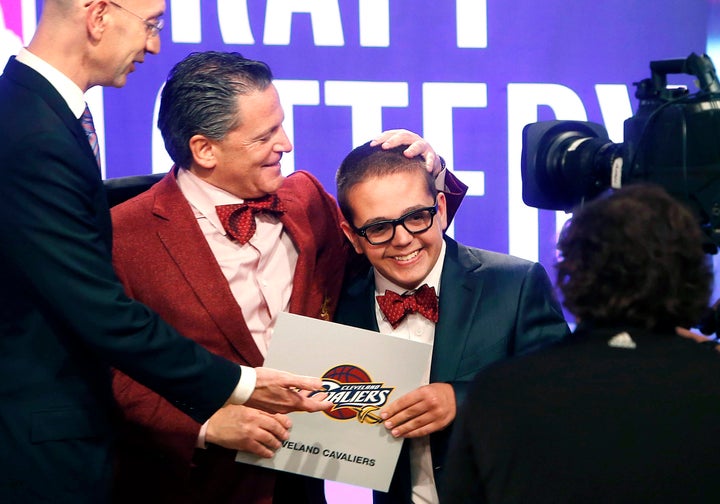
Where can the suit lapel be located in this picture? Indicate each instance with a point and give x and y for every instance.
(181, 236)
(295, 224)
(310, 295)
(358, 304)
(460, 293)
(27, 77)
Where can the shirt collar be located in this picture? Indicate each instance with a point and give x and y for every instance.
(432, 279)
(204, 197)
(70, 92)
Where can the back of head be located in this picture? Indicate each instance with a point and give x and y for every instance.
(200, 97)
(366, 162)
(634, 257)
(59, 13)
(60, 6)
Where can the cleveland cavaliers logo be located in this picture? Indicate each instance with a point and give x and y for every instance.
(354, 394)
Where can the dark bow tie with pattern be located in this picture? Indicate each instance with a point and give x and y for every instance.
(396, 306)
(239, 219)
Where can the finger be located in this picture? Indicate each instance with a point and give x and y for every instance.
(267, 377)
(299, 382)
(421, 148)
(685, 333)
(410, 425)
(403, 137)
(403, 417)
(272, 440)
(416, 148)
(287, 401)
(400, 418)
(401, 403)
(384, 137)
(312, 405)
(316, 399)
(410, 431)
(276, 428)
(316, 395)
(283, 420)
(432, 162)
(259, 449)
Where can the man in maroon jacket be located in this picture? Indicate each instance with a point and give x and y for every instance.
(221, 120)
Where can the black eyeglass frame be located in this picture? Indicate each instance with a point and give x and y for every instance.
(400, 221)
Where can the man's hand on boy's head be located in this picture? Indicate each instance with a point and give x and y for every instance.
(417, 146)
(423, 411)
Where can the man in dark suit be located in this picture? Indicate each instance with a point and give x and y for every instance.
(64, 317)
(491, 306)
(221, 119)
(622, 411)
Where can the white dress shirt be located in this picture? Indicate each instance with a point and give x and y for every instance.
(415, 327)
(260, 272)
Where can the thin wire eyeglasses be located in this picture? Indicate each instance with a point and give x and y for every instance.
(415, 222)
(153, 27)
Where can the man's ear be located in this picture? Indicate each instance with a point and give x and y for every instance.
(350, 234)
(203, 152)
(95, 20)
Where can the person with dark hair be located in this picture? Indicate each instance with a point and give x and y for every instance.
(624, 410)
(219, 247)
(64, 318)
(474, 306)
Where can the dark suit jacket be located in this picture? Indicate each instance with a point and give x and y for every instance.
(492, 306)
(163, 260)
(64, 317)
(587, 422)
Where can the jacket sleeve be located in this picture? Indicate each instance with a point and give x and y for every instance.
(54, 211)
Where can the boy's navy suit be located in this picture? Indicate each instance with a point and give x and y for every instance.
(492, 306)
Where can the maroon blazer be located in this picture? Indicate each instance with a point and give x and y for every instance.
(164, 261)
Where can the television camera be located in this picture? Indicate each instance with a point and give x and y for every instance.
(673, 140)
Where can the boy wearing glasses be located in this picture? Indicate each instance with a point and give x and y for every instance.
(474, 306)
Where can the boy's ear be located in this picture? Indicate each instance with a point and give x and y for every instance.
(442, 210)
(350, 234)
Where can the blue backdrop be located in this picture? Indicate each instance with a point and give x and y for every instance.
(466, 74)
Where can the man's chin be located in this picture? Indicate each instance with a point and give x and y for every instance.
(277, 183)
(271, 187)
(119, 81)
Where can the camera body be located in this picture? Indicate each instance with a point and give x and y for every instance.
(673, 140)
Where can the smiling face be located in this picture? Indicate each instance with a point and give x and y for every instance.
(406, 259)
(127, 38)
(246, 161)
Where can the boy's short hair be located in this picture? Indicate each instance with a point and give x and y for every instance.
(365, 162)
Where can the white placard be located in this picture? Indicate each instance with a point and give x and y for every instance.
(364, 370)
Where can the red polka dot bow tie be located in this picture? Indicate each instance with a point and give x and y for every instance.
(239, 219)
(396, 306)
